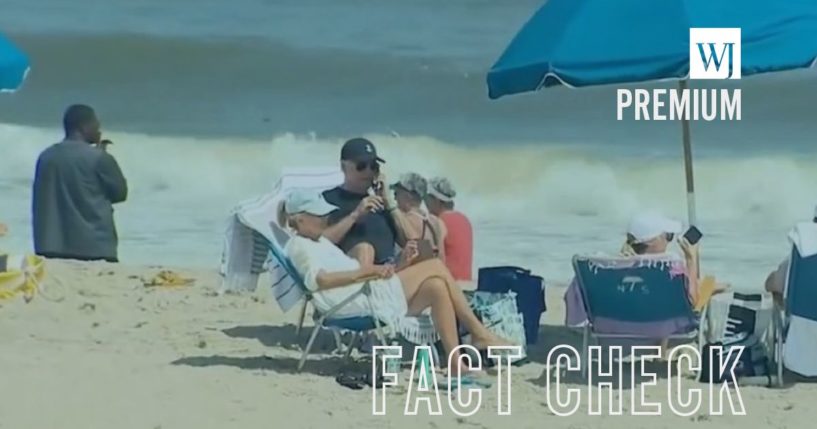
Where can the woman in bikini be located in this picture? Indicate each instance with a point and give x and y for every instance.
(420, 226)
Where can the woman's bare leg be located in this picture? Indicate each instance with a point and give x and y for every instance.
(415, 275)
(432, 293)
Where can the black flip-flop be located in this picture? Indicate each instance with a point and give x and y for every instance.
(354, 382)
(378, 381)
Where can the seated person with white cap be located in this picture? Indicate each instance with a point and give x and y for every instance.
(647, 234)
(335, 276)
(652, 233)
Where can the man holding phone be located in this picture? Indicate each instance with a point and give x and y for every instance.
(76, 185)
(366, 224)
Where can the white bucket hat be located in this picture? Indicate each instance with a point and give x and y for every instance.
(441, 189)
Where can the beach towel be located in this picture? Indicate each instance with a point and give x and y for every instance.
(734, 317)
(804, 237)
(247, 236)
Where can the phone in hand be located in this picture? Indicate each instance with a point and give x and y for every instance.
(693, 235)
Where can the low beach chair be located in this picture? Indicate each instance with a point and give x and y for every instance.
(357, 326)
(795, 333)
(637, 298)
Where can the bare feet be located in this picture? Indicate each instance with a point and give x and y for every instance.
(489, 339)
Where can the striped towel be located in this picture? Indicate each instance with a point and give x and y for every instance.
(248, 234)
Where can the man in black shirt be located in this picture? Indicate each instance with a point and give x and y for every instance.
(367, 227)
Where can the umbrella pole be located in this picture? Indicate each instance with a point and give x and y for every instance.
(690, 180)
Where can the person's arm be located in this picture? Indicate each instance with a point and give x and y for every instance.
(397, 220)
(111, 178)
(691, 258)
(443, 233)
(399, 223)
(326, 281)
(340, 225)
(309, 266)
(776, 281)
(407, 257)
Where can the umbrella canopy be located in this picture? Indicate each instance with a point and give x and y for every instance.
(13, 66)
(598, 42)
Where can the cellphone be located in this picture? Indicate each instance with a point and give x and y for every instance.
(693, 235)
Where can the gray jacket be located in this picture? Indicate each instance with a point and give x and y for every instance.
(75, 187)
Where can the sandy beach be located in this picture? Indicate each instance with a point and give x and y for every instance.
(101, 350)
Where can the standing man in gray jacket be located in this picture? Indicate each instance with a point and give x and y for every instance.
(75, 186)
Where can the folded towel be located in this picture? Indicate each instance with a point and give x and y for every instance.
(248, 234)
(804, 237)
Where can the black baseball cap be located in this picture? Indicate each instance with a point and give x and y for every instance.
(359, 149)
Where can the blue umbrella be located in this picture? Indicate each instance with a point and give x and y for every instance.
(13, 66)
(599, 42)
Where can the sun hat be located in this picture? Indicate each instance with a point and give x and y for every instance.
(441, 189)
(412, 182)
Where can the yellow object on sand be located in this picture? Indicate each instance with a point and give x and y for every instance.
(24, 281)
(168, 279)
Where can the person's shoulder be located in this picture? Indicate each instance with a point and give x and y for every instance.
(295, 241)
(52, 148)
(455, 216)
(296, 245)
(331, 192)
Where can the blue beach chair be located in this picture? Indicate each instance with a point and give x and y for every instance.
(800, 301)
(633, 298)
(357, 326)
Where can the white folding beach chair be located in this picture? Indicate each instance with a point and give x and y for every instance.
(357, 326)
(636, 298)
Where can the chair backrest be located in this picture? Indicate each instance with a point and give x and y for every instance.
(288, 285)
(632, 290)
(801, 286)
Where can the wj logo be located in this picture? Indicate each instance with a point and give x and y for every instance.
(714, 53)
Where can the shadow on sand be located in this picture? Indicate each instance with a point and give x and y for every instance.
(320, 362)
(283, 337)
(325, 366)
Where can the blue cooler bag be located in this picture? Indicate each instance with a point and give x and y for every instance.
(529, 290)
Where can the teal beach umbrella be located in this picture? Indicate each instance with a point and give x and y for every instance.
(580, 43)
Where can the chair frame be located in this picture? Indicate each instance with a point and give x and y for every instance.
(697, 333)
(322, 318)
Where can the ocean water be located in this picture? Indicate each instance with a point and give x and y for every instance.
(208, 100)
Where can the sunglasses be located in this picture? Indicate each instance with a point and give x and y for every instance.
(372, 165)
